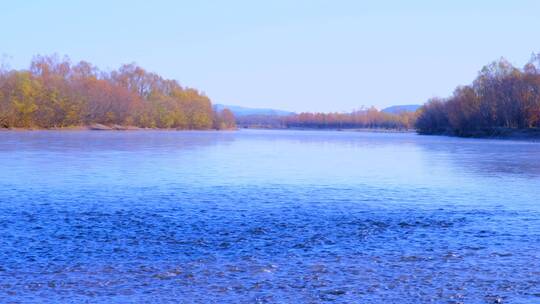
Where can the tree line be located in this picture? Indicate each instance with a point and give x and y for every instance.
(55, 93)
(501, 98)
(364, 118)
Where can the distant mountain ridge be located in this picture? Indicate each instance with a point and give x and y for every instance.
(239, 111)
(401, 109)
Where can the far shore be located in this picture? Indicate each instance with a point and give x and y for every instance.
(370, 130)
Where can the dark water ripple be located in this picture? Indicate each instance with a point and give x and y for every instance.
(209, 248)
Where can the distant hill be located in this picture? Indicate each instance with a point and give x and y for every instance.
(240, 111)
(245, 111)
(401, 109)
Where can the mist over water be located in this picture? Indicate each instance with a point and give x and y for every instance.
(267, 217)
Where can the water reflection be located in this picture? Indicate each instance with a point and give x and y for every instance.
(486, 157)
(69, 142)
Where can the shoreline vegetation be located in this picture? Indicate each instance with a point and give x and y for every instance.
(503, 101)
(54, 93)
(366, 118)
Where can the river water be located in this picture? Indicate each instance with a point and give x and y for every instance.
(267, 217)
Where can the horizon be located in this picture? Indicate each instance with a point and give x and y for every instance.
(302, 56)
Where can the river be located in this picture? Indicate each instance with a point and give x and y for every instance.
(260, 216)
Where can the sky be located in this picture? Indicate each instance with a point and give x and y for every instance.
(298, 55)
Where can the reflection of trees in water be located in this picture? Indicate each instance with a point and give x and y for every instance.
(487, 157)
(475, 156)
(99, 141)
(356, 138)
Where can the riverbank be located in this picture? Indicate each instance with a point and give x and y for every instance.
(500, 133)
(103, 127)
(532, 134)
(503, 133)
(372, 130)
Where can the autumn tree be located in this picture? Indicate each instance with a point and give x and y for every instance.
(502, 97)
(54, 92)
(224, 120)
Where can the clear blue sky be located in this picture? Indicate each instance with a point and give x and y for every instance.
(294, 55)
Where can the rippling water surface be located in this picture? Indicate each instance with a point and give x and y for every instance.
(267, 217)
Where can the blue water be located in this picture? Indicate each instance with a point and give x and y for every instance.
(267, 217)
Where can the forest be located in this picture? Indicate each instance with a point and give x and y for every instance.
(369, 118)
(501, 99)
(55, 93)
